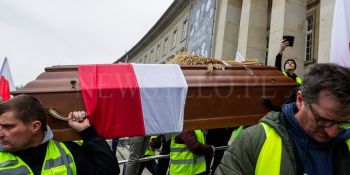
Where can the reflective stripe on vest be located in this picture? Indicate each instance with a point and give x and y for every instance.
(58, 161)
(269, 160)
(297, 79)
(190, 161)
(150, 151)
(13, 165)
(183, 161)
(20, 170)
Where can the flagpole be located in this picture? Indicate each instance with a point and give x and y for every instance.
(2, 66)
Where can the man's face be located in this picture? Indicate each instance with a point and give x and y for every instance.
(320, 120)
(290, 66)
(14, 134)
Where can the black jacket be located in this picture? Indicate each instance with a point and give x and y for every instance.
(94, 157)
(278, 65)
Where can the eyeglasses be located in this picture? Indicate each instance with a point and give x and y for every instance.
(326, 123)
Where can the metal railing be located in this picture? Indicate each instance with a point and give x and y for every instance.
(145, 159)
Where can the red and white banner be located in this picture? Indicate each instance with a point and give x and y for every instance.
(134, 99)
(6, 81)
(340, 46)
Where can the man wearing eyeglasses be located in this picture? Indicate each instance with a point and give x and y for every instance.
(309, 137)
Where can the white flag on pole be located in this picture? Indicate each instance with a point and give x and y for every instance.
(340, 43)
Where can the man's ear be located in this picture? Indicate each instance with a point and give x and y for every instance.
(299, 100)
(36, 126)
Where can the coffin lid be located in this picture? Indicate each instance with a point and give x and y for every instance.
(65, 78)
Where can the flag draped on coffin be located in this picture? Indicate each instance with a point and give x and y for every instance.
(133, 99)
(6, 81)
(340, 43)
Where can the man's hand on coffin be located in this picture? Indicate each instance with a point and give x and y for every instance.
(78, 120)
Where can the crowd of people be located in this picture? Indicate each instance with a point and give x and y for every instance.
(309, 134)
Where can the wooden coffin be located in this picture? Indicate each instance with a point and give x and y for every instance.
(217, 99)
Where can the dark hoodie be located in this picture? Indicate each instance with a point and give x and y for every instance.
(314, 157)
(278, 65)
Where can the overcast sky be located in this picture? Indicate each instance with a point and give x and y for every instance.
(39, 33)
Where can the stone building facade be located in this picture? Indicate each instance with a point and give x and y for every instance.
(253, 28)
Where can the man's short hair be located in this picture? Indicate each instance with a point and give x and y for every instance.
(26, 108)
(330, 77)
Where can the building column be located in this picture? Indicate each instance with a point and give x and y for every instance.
(288, 17)
(325, 35)
(226, 29)
(252, 29)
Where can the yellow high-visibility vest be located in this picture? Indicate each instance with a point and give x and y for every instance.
(150, 151)
(297, 79)
(58, 161)
(183, 161)
(269, 160)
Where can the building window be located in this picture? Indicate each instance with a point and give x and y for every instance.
(180, 50)
(309, 38)
(146, 60)
(158, 52)
(184, 29)
(269, 9)
(269, 4)
(165, 48)
(150, 56)
(267, 50)
(170, 57)
(174, 38)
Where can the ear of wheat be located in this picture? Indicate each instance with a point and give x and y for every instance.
(212, 63)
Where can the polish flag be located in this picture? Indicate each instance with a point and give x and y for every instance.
(133, 99)
(6, 81)
(340, 42)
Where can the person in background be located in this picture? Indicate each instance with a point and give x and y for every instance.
(187, 154)
(289, 69)
(217, 137)
(151, 165)
(289, 65)
(310, 136)
(115, 146)
(163, 164)
(28, 146)
(138, 146)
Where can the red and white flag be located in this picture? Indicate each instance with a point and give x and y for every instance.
(340, 46)
(134, 99)
(6, 81)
